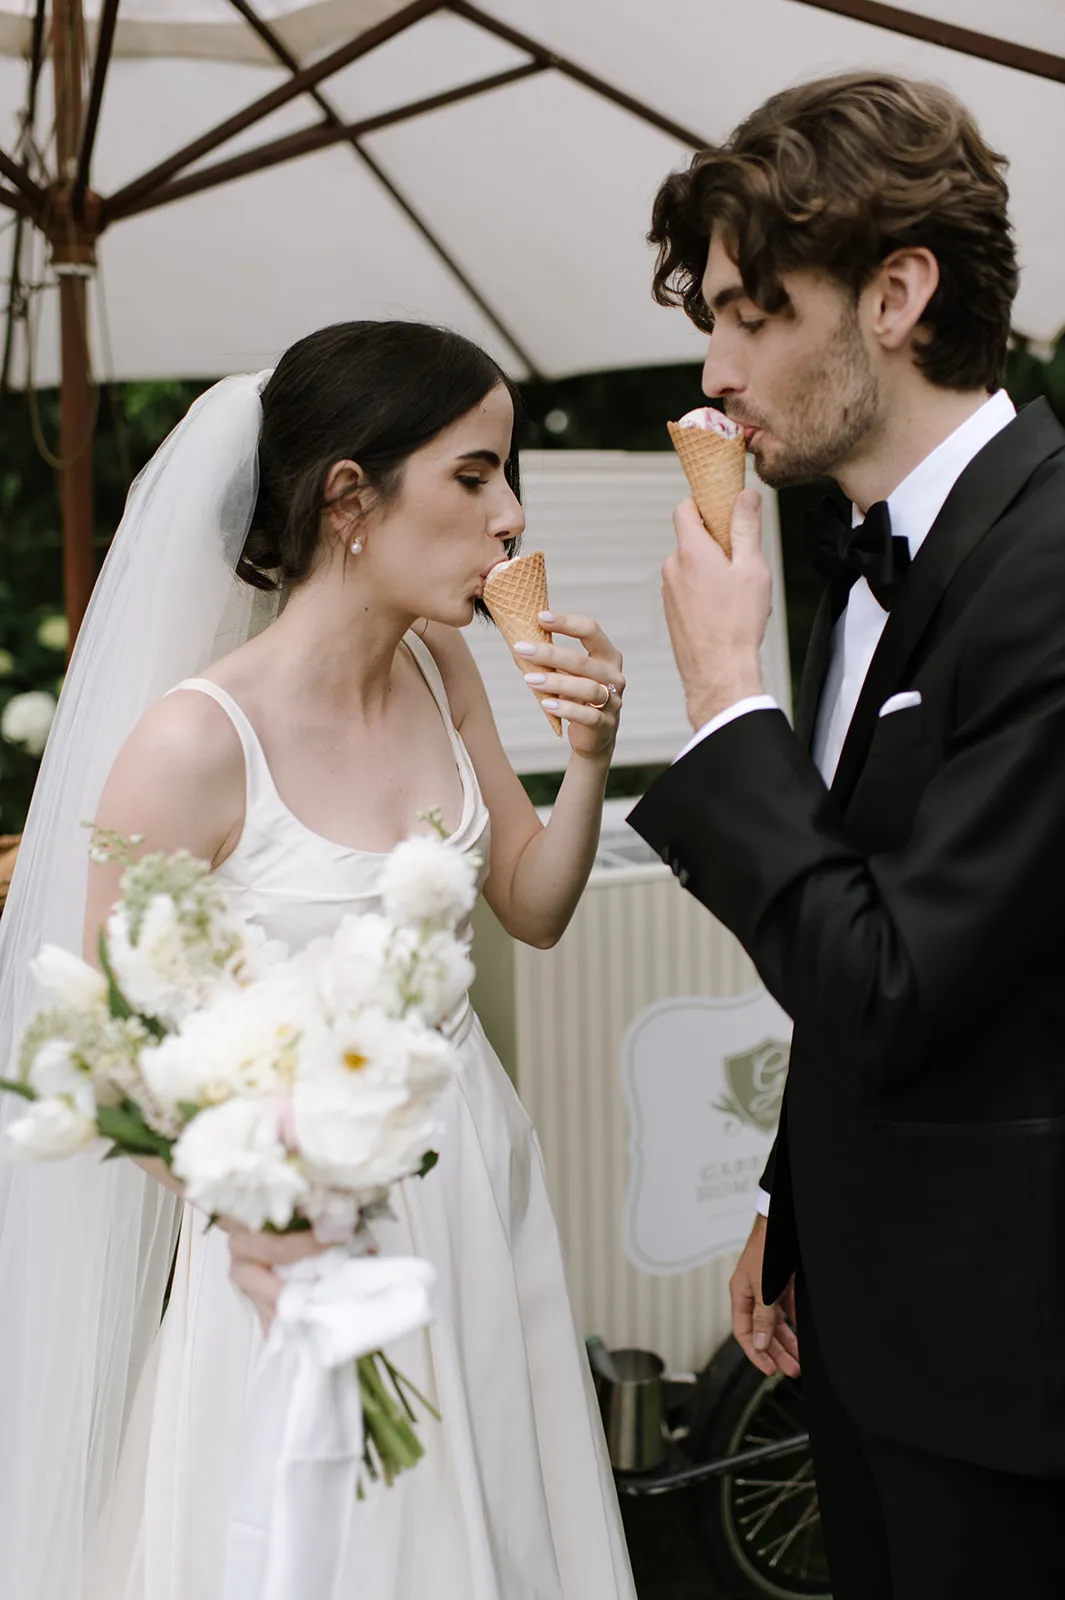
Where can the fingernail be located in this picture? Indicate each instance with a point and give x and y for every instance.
(761, 1341)
(525, 648)
(547, 616)
(551, 705)
(537, 679)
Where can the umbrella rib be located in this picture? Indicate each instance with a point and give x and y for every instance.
(328, 132)
(300, 83)
(570, 69)
(335, 131)
(28, 190)
(105, 41)
(441, 250)
(930, 30)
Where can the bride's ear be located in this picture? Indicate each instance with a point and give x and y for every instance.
(343, 506)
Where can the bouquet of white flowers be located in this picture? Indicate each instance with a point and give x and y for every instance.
(284, 1091)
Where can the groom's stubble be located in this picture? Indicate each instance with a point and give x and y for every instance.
(833, 409)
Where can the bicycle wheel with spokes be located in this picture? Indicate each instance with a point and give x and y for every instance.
(761, 1527)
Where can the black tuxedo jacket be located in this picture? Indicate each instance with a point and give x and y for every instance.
(911, 921)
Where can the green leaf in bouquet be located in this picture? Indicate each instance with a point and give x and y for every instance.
(429, 1161)
(16, 1086)
(117, 1003)
(126, 1128)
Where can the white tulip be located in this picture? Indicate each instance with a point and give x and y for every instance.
(50, 1129)
(72, 981)
(54, 1074)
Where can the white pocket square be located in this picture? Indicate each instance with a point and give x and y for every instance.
(900, 702)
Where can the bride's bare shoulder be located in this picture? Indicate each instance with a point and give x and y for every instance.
(179, 778)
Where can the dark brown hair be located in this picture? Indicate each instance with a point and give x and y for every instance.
(834, 176)
(369, 392)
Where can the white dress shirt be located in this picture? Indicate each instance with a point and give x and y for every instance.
(914, 507)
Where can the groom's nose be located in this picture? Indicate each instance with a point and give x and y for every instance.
(722, 372)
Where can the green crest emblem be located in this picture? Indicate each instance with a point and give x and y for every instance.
(755, 1084)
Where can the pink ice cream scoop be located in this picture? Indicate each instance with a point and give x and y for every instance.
(711, 421)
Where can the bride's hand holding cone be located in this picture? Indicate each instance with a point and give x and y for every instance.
(585, 686)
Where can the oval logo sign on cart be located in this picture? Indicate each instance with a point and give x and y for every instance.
(703, 1080)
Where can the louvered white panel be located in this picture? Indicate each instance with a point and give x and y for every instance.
(603, 519)
(558, 1018)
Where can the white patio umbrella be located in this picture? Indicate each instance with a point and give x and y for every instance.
(199, 182)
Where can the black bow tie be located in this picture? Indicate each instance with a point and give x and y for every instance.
(843, 554)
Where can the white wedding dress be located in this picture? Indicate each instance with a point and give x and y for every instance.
(514, 1498)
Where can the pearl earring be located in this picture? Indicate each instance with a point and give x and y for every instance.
(356, 545)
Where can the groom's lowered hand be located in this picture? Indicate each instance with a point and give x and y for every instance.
(717, 609)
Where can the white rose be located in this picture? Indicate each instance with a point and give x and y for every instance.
(54, 1073)
(72, 981)
(359, 1138)
(50, 1129)
(350, 969)
(27, 720)
(426, 880)
(246, 1041)
(234, 1163)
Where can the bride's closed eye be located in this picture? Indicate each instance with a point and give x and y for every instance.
(473, 483)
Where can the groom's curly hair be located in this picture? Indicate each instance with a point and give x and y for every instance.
(835, 176)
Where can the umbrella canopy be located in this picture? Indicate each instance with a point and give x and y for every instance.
(202, 181)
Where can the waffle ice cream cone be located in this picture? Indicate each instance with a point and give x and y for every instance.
(515, 593)
(715, 467)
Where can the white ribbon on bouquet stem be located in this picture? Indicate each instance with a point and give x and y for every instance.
(302, 1442)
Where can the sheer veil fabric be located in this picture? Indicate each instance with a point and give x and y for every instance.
(86, 1246)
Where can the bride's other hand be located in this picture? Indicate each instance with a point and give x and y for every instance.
(586, 686)
(253, 1258)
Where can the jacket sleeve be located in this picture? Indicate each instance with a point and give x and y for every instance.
(873, 957)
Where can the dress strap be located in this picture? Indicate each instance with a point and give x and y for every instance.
(426, 662)
(255, 767)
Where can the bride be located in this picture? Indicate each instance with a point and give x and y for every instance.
(271, 676)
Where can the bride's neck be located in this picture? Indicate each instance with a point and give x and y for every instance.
(337, 647)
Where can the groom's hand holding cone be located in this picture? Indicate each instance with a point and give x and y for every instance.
(717, 609)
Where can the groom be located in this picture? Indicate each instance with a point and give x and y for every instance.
(896, 865)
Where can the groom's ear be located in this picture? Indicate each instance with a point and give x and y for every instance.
(343, 502)
(898, 297)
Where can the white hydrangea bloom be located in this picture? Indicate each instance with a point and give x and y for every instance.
(27, 720)
(54, 632)
(427, 881)
(234, 1163)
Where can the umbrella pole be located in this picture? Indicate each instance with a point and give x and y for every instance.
(76, 427)
(73, 257)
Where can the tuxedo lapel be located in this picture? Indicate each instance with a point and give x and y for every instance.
(985, 490)
(813, 671)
